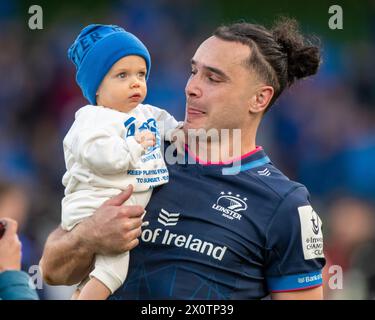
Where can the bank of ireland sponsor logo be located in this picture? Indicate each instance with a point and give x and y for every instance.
(266, 172)
(311, 233)
(190, 242)
(168, 218)
(230, 205)
(309, 278)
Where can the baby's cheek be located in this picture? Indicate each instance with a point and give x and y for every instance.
(144, 89)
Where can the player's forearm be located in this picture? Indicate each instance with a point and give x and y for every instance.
(66, 258)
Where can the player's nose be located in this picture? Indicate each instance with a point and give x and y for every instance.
(193, 89)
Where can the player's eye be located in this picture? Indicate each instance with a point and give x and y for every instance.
(212, 79)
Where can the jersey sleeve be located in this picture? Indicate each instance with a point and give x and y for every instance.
(294, 245)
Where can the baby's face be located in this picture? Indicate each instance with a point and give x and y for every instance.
(124, 86)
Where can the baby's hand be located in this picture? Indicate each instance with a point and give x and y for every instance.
(145, 138)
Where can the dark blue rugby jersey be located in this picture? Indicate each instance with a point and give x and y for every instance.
(215, 236)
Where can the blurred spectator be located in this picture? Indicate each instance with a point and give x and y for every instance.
(14, 205)
(350, 245)
(14, 284)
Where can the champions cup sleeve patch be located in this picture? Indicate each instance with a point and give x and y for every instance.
(311, 233)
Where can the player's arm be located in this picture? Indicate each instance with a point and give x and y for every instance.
(66, 258)
(295, 256)
(113, 229)
(307, 294)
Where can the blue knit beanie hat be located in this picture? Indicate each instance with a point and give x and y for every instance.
(97, 48)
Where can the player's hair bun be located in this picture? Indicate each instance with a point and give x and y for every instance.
(303, 57)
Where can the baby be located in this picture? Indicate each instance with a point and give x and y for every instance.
(114, 141)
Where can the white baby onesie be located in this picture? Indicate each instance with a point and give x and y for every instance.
(102, 158)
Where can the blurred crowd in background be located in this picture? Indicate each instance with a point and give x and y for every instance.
(320, 133)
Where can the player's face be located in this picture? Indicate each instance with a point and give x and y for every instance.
(219, 89)
(124, 86)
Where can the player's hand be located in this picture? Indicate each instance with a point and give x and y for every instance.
(114, 227)
(145, 138)
(10, 247)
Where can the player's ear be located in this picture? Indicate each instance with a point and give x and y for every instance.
(261, 99)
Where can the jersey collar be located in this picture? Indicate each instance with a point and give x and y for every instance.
(250, 160)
